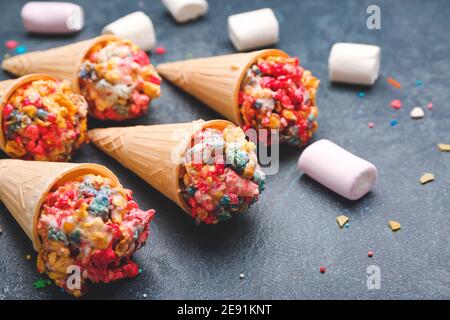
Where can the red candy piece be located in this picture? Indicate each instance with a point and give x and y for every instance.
(11, 44)
(32, 132)
(160, 50)
(322, 269)
(51, 117)
(7, 110)
(396, 104)
(142, 58)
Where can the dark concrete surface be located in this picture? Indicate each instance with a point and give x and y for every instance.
(284, 239)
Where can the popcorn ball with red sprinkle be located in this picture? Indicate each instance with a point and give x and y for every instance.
(220, 175)
(277, 93)
(90, 225)
(118, 80)
(44, 120)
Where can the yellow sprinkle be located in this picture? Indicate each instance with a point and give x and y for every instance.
(28, 257)
(68, 227)
(342, 220)
(394, 225)
(234, 67)
(150, 89)
(427, 177)
(444, 147)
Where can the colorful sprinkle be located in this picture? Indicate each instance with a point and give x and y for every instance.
(394, 83)
(361, 94)
(370, 254)
(417, 113)
(419, 83)
(371, 125)
(430, 106)
(28, 257)
(144, 295)
(11, 44)
(396, 104)
(241, 276)
(41, 283)
(322, 269)
(160, 50)
(393, 122)
(21, 49)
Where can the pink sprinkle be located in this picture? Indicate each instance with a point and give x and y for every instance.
(160, 50)
(370, 254)
(370, 125)
(11, 44)
(430, 106)
(322, 269)
(396, 104)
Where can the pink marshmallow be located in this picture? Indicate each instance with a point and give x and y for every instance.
(338, 169)
(52, 17)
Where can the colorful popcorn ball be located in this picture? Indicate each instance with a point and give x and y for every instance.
(118, 80)
(44, 120)
(94, 226)
(277, 93)
(220, 175)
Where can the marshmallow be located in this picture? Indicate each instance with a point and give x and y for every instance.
(338, 169)
(137, 27)
(354, 63)
(253, 29)
(184, 10)
(52, 17)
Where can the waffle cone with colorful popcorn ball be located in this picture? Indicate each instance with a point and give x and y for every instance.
(114, 75)
(61, 62)
(157, 154)
(280, 96)
(215, 80)
(83, 223)
(24, 186)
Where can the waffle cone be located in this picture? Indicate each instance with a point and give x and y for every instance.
(7, 88)
(61, 62)
(153, 152)
(25, 184)
(215, 80)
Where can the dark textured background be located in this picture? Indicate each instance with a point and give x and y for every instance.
(284, 239)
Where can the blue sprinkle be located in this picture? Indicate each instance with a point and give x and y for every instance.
(419, 83)
(346, 225)
(21, 49)
(394, 123)
(361, 94)
(191, 190)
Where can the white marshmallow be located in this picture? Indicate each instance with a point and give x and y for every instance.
(253, 29)
(338, 169)
(184, 10)
(354, 63)
(137, 27)
(52, 17)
